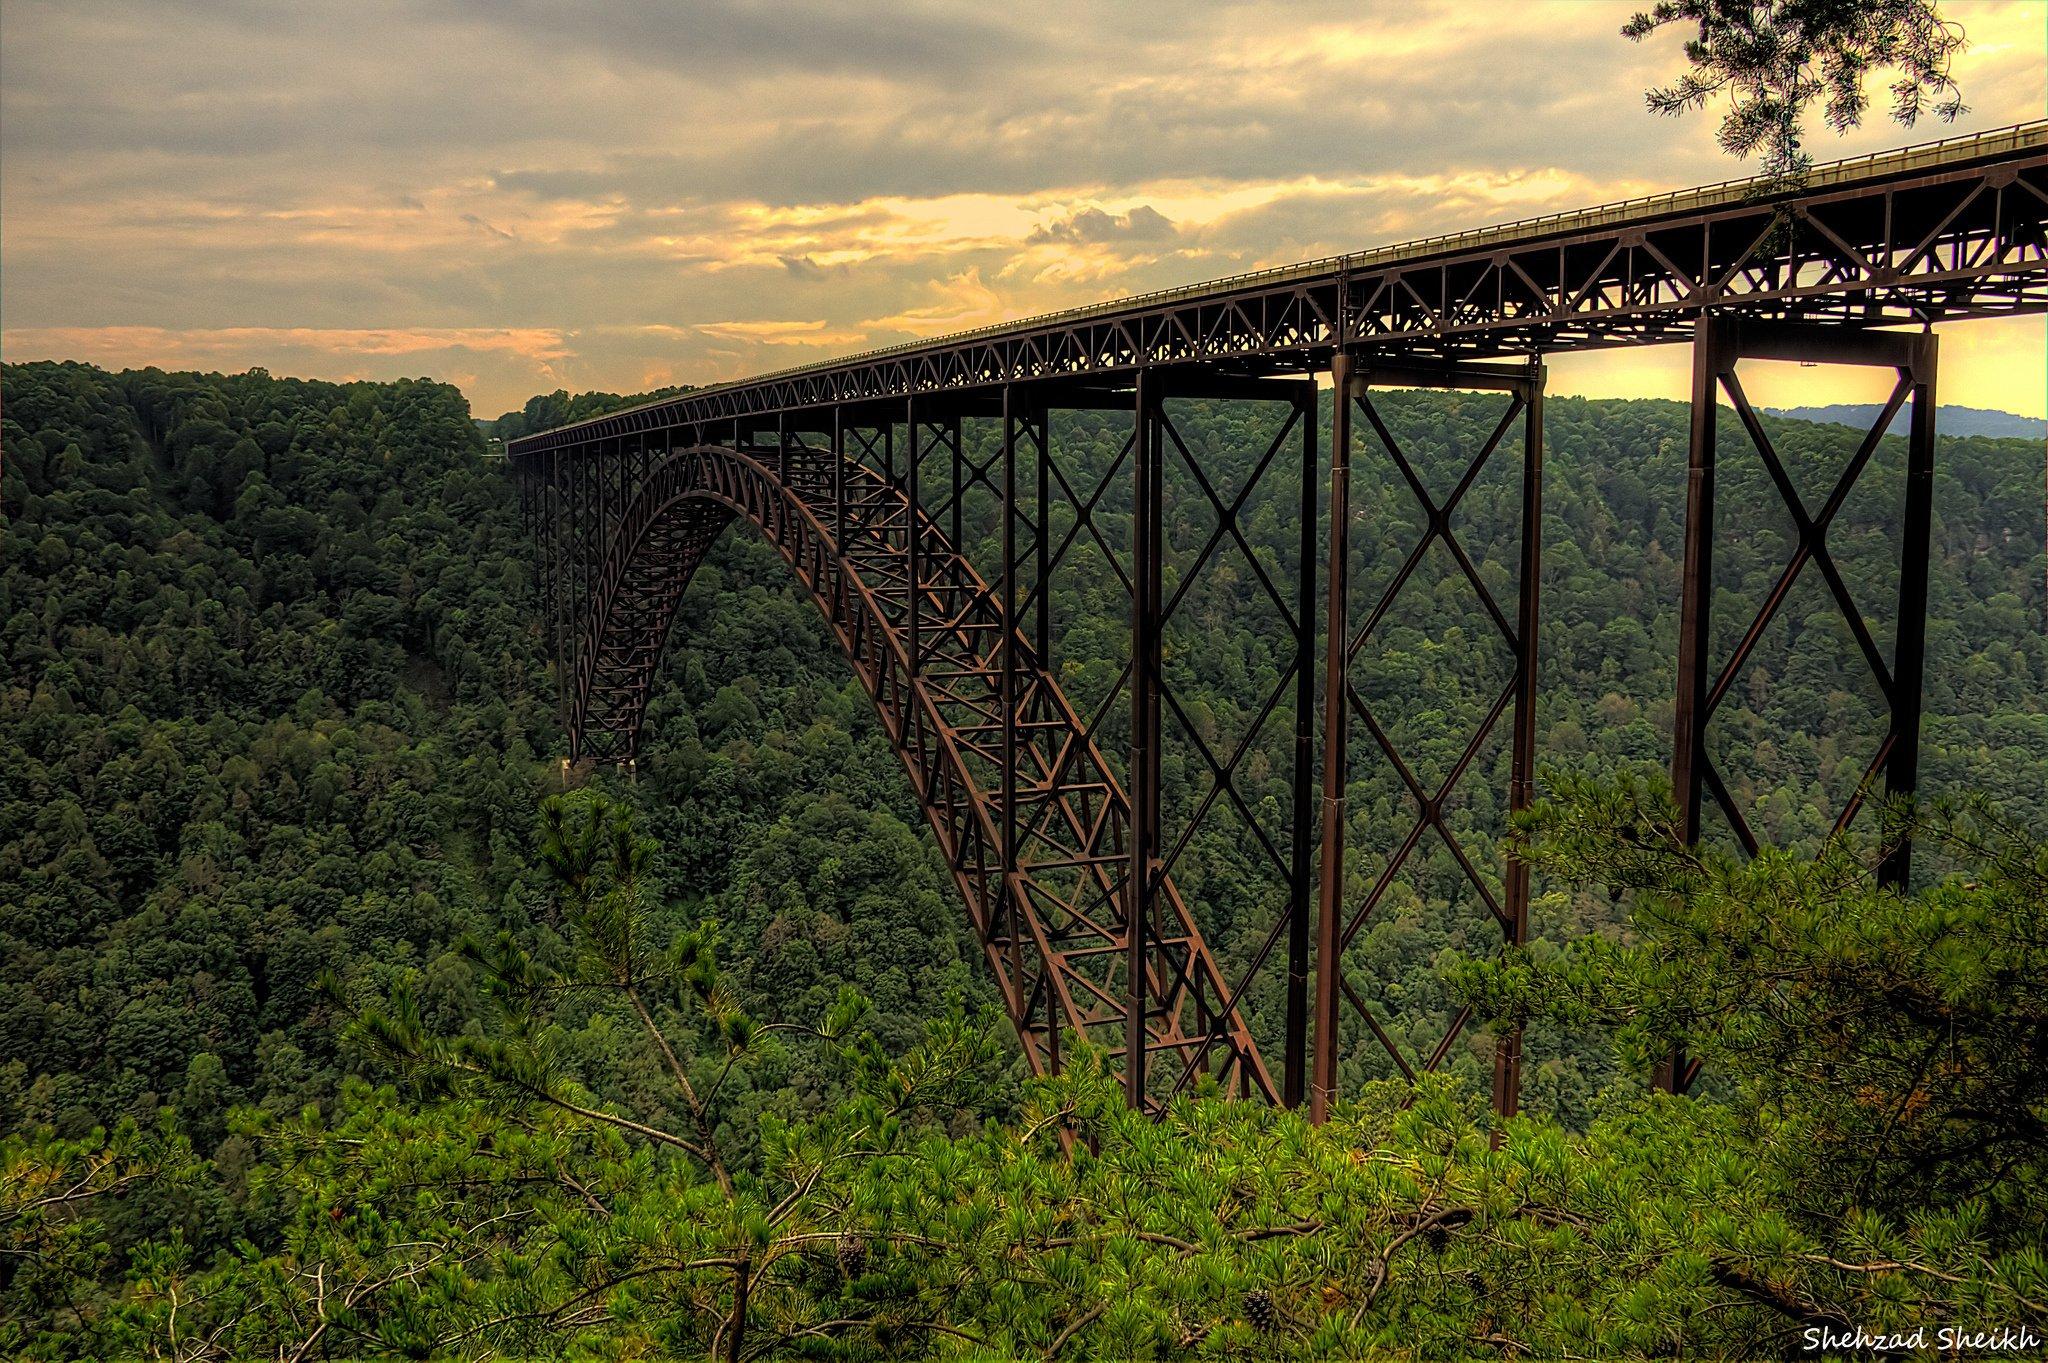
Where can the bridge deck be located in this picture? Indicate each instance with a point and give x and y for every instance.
(1946, 229)
(969, 694)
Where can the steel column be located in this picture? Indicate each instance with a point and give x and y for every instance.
(1696, 591)
(1041, 549)
(1674, 1072)
(560, 579)
(1507, 1055)
(1336, 731)
(1013, 889)
(1147, 509)
(581, 540)
(1902, 769)
(1301, 868)
(913, 555)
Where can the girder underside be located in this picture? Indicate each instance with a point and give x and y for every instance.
(1965, 241)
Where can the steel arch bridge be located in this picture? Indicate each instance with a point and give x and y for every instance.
(1065, 847)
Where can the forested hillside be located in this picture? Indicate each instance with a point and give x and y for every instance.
(275, 710)
(1954, 420)
(321, 1035)
(545, 411)
(272, 709)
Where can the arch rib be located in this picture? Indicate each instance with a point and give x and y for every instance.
(1054, 925)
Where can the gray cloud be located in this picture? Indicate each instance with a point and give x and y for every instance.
(809, 168)
(1092, 226)
(702, 39)
(474, 221)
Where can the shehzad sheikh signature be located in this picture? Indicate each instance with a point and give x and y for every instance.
(1948, 1338)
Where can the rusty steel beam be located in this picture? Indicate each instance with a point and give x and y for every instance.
(1147, 562)
(1909, 662)
(1507, 1067)
(1306, 822)
(1338, 923)
(1336, 745)
(1720, 346)
(1957, 230)
(1034, 826)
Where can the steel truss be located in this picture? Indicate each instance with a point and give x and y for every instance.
(1338, 919)
(1959, 230)
(1054, 859)
(1719, 347)
(873, 476)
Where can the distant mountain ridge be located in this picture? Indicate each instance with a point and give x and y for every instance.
(1948, 420)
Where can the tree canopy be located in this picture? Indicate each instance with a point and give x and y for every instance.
(1775, 59)
(332, 1027)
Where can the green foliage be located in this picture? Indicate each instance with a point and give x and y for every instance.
(271, 708)
(509, 1207)
(60, 1202)
(1886, 1045)
(279, 722)
(1777, 57)
(508, 1224)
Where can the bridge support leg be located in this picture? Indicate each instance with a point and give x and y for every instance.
(913, 541)
(1026, 429)
(1336, 732)
(1301, 856)
(1720, 344)
(1909, 667)
(1012, 926)
(560, 574)
(1146, 576)
(580, 540)
(1041, 542)
(1507, 1055)
(1336, 923)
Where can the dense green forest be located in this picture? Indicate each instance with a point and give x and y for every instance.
(328, 1028)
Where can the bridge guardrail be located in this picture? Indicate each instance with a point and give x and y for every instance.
(1871, 165)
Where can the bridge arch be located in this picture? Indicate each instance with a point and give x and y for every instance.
(1047, 903)
(1936, 233)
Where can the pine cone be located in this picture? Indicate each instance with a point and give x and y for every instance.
(853, 1256)
(1259, 1310)
(1436, 1237)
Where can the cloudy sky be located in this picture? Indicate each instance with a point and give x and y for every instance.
(519, 195)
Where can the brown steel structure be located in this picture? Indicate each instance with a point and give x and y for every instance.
(871, 475)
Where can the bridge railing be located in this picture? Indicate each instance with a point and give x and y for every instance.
(1919, 158)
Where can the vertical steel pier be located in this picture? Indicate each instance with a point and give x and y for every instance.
(1337, 922)
(1720, 345)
